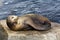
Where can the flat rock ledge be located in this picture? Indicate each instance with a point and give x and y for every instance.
(7, 34)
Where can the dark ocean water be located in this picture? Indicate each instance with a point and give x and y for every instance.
(47, 8)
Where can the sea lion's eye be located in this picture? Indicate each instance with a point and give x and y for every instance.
(12, 17)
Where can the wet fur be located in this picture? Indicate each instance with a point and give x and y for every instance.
(30, 22)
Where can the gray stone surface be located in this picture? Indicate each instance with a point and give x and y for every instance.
(52, 34)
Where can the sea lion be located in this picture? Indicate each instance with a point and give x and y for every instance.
(27, 22)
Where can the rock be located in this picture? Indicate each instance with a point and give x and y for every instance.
(3, 33)
(52, 34)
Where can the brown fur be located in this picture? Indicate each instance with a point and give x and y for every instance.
(28, 22)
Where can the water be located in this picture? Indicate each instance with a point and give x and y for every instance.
(47, 8)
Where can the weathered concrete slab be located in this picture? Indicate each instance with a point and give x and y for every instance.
(53, 34)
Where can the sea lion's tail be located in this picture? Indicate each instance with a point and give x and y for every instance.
(41, 27)
(45, 26)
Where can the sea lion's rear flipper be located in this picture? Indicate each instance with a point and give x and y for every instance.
(39, 26)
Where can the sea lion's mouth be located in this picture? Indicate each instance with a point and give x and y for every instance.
(11, 25)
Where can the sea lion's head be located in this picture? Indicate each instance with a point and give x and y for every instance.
(12, 18)
(11, 21)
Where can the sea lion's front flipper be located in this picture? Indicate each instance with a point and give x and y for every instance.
(43, 26)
